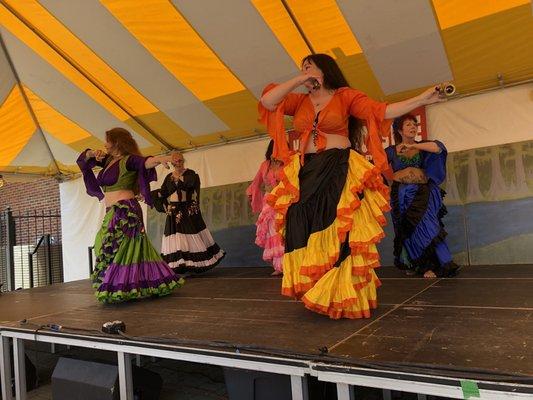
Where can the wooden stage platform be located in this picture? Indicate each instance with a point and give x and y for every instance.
(463, 337)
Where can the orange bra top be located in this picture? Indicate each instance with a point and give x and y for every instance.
(332, 119)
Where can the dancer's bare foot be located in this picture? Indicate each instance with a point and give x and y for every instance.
(276, 273)
(429, 274)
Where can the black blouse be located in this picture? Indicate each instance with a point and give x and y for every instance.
(187, 189)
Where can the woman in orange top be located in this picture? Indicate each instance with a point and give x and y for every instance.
(330, 200)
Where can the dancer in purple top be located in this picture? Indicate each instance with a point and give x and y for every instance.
(127, 265)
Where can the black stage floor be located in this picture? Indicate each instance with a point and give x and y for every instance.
(481, 320)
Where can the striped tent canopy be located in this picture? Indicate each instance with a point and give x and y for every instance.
(188, 73)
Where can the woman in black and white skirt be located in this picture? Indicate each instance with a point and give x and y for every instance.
(187, 243)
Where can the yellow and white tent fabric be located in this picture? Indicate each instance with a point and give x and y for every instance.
(183, 73)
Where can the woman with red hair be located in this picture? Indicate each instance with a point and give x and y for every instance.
(417, 202)
(127, 265)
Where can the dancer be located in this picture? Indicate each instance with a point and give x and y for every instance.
(416, 200)
(267, 236)
(330, 200)
(187, 243)
(127, 265)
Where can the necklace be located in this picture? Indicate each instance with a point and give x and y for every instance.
(322, 100)
(176, 175)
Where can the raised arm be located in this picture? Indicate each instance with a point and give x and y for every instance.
(427, 146)
(276, 102)
(430, 147)
(152, 162)
(400, 108)
(96, 158)
(145, 173)
(86, 161)
(274, 96)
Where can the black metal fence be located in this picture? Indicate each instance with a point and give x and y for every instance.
(30, 249)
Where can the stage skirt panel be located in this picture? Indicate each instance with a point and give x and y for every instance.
(187, 245)
(419, 242)
(127, 265)
(329, 213)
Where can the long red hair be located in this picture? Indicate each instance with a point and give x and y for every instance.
(122, 141)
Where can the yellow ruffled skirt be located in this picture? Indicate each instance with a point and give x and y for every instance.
(330, 214)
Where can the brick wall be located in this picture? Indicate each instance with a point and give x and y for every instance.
(36, 212)
(38, 195)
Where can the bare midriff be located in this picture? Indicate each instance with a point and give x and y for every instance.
(332, 142)
(410, 175)
(117, 195)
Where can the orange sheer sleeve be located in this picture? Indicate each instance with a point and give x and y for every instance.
(275, 121)
(373, 113)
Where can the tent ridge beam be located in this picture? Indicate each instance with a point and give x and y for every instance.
(298, 26)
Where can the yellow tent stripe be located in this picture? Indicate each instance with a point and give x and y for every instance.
(279, 21)
(17, 126)
(160, 28)
(23, 33)
(17, 28)
(481, 49)
(456, 12)
(54, 122)
(325, 26)
(83, 56)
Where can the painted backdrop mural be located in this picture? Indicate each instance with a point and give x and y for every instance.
(489, 199)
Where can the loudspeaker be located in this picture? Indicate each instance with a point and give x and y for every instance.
(243, 384)
(87, 380)
(84, 380)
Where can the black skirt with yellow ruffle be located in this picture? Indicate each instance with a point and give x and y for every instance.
(330, 213)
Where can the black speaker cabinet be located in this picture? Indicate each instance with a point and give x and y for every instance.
(243, 384)
(86, 380)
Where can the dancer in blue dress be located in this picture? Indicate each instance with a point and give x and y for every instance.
(416, 199)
